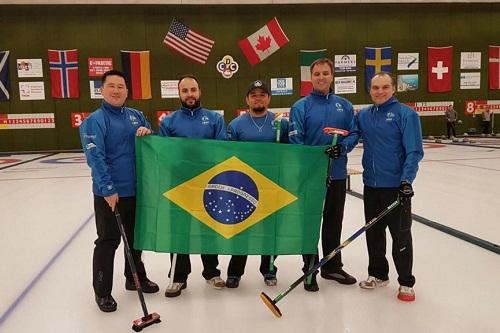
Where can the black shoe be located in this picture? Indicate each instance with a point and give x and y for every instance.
(340, 276)
(313, 286)
(232, 282)
(106, 304)
(148, 286)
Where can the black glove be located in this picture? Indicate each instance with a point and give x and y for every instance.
(405, 191)
(334, 152)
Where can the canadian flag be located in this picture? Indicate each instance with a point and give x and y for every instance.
(264, 42)
(439, 68)
(494, 59)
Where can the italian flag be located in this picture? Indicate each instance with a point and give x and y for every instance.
(306, 58)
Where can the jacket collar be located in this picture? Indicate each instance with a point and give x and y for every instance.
(190, 112)
(389, 102)
(320, 95)
(110, 108)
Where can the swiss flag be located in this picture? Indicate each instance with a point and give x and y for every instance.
(494, 59)
(439, 68)
(264, 42)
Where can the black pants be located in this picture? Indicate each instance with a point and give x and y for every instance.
(486, 127)
(399, 223)
(331, 230)
(108, 239)
(237, 266)
(450, 127)
(183, 266)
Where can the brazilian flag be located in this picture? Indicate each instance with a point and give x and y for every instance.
(228, 197)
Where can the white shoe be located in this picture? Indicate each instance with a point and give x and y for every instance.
(217, 283)
(174, 289)
(406, 294)
(372, 283)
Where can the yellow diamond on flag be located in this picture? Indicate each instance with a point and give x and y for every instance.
(230, 197)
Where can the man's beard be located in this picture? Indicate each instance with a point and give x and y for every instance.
(259, 110)
(191, 107)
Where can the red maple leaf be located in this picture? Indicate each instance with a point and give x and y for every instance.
(263, 44)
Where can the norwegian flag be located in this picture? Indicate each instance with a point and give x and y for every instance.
(63, 66)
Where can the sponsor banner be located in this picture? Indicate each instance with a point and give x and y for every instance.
(407, 61)
(169, 88)
(27, 120)
(281, 86)
(408, 82)
(99, 66)
(77, 118)
(470, 80)
(345, 85)
(473, 107)
(430, 108)
(29, 68)
(470, 60)
(31, 91)
(95, 89)
(345, 63)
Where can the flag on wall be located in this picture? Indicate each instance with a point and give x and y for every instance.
(264, 42)
(135, 65)
(306, 58)
(439, 68)
(376, 59)
(4, 76)
(63, 66)
(229, 200)
(494, 60)
(187, 42)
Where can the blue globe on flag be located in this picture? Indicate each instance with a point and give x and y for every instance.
(230, 197)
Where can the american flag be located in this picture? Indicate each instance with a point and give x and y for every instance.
(187, 42)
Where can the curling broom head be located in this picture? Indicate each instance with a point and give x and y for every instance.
(270, 304)
(150, 319)
(333, 130)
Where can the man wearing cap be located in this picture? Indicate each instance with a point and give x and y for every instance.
(193, 121)
(258, 124)
(308, 117)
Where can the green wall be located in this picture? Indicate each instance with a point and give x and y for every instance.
(102, 31)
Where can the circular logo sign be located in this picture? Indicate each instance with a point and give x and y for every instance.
(231, 197)
(227, 66)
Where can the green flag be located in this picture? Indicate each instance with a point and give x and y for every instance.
(228, 197)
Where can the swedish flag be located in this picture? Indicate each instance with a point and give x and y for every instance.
(208, 196)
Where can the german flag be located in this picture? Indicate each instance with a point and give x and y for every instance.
(135, 66)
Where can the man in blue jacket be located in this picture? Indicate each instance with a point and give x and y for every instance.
(392, 140)
(193, 121)
(308, 117)
(262, 125)
(108, 140)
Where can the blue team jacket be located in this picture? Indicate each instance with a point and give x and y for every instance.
(308, 117)
(392, 141)
(199, 123)
(108, 140)
(248, 128)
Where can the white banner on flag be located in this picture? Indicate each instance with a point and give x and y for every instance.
(169, 88)
(29, 68)
(345, 85)
(31, 91)
(470, 60)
